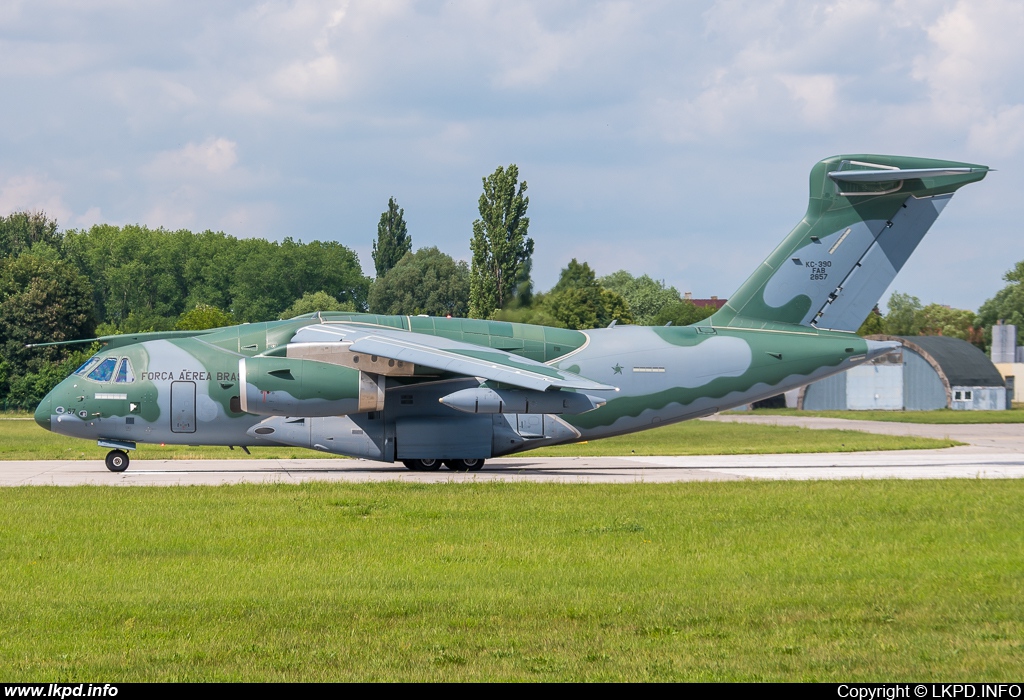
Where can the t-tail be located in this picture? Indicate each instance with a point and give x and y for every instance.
(865, 216)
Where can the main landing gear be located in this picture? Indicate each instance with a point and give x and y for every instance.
(455, 465)
(117, 460)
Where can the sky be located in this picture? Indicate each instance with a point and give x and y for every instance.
(665, 138)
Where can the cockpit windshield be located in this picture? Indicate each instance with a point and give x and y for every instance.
(124, 372)
(104, 370)
(87, 365)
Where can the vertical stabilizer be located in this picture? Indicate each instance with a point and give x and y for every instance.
(865, 216)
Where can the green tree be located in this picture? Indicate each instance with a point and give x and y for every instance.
(682, 313)
(311, 302)
(25, 391)
(146, 278)
(501, 249)
(874, 324)
(393, 240)
(578, 301)
(204, 316)
(272, 276)
(936, 319)
(21, 231)
(425, 282)
(644, 296)
(1006, 306)
(41, 300)
(903, 318)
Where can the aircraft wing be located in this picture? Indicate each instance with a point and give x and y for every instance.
(447, 355)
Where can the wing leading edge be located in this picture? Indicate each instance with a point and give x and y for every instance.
(453, 356)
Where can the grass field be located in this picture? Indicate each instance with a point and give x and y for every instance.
(21, 438)
(943, 416)
(851, 581)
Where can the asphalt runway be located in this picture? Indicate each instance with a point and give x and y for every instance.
(993, 452)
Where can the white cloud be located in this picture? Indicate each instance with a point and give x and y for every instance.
(972, 71)
(1000, 134)
(30, 193)
(91, 217)
(321, 78)
(816, 95)
(214, 156)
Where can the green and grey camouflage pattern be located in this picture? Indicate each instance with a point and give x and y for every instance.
(427, 391)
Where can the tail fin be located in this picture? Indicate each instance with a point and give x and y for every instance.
(865, 216)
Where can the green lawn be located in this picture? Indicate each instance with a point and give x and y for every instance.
(748, 581)
(940, 417)
(21, 438)
(706, 437)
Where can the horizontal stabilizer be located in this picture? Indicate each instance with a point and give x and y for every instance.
(899, 174)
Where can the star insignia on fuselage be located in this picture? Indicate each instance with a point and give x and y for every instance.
(617, 368)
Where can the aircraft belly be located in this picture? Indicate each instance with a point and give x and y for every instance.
(353, 436)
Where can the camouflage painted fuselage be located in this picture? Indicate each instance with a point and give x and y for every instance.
(411, 388)
(187, 390)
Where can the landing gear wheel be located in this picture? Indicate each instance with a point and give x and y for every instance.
(422, 465)
(117, 460)
(464, 465)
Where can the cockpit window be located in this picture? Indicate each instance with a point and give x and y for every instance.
(104, 370)
(124, 372)
(87, 364)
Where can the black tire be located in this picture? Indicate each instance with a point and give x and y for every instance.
(117, 460)
(422, 465)
(464, 465)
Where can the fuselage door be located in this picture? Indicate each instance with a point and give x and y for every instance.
(183, 407)
(530, 424)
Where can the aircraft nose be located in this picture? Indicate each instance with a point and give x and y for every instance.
(43, 412)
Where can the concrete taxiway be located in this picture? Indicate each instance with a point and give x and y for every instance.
(923, 464)
(993, 452)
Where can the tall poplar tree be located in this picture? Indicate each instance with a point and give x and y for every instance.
(501, 249)
(393, 240)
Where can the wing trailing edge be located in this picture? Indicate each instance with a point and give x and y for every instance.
(453, 356)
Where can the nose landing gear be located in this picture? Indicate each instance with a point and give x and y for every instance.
(117, 460)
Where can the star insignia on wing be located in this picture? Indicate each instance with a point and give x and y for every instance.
(617, 368)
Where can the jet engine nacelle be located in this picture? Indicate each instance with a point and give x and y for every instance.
(484, 400)
(280, 386)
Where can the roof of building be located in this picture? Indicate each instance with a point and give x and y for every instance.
(713, 301)
(963, 364)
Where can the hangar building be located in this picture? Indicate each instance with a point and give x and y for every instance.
(929, 372)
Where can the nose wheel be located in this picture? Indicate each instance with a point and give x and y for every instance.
(117, 460)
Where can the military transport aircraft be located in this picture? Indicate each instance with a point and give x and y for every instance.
(432, 391)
